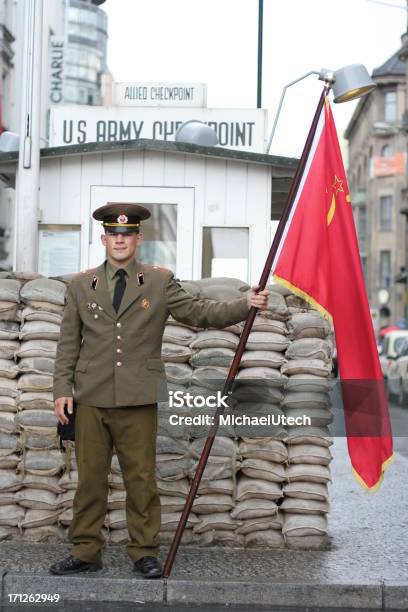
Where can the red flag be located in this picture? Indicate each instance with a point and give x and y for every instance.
(318, 259)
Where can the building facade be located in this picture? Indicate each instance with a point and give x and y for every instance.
(74, 41)
(376, 175)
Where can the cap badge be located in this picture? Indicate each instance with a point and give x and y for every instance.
(122, 219)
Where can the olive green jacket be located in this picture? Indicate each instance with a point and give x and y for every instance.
(109, 359)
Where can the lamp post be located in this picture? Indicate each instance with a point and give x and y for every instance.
(347, 83)
(349, 86)
(28, 175)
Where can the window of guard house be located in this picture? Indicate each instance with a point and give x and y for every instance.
(386, 213)
(385, 269)
(225, 252)
(159, 245)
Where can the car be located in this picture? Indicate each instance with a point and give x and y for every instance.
(397, 379)
(391, 345)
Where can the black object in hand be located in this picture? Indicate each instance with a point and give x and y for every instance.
(67, 431)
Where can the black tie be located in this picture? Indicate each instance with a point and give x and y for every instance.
(119, 288)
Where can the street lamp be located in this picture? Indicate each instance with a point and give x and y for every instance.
(347, 83)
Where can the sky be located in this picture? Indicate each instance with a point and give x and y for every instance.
(215, 42)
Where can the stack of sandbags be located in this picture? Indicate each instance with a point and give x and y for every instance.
(10, 445)
(306, 500)
(42, 461)
(260, 490)
(215, 496)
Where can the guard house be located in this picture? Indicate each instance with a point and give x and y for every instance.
(213, 208)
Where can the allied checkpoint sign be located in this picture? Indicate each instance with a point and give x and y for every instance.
(241, 129)
(159, 94)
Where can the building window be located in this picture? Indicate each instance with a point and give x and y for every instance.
(390, 106)
(385, 213)
(364, 266)
(362, 222)
(225, 252)
(385, 269)
(386, 151)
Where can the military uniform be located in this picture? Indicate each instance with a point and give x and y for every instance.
(110, 362)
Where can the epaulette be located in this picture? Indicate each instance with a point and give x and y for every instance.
(159, 268)
(83, 272)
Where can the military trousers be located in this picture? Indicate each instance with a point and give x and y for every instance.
(132, 432)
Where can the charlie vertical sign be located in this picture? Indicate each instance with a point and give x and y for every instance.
(235, 128)
(56, 70)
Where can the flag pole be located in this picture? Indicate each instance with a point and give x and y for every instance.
(243, 339)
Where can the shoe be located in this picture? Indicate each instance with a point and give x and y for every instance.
(148, 567)
(73, 565)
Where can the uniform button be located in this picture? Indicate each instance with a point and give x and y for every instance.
(119, 337)
(118, 350)
(118, 363)
(96, 316)
(118, 324)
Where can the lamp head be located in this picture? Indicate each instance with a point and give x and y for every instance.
(196, 132)
(352, 82)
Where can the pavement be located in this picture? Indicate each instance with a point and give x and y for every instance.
(364, 567)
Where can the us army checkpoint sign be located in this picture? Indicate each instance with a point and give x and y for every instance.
(242, 129)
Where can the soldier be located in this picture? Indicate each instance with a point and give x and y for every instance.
(109, 362)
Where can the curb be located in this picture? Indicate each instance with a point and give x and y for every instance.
(375, 596)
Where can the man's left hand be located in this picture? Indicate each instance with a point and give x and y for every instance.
(259, 300)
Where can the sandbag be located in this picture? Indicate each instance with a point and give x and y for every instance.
(264, 323)
(261, 524)
(178, 334)
(306, 383)
(266, 341)
(8, 369)
(265, 470)
(271, 375)
(214, 356)
(254, 508)
(10, 290)
(36, 365)
(7, 423)
(309, 435)
(44, 290)
(220, 537)
(9, 330)
(308, 472)
(31, 420)
(309, 453)
(37, 348)
(175, 352)
(36, 400)
(170, 503)
(305, 506)
(217, 521)
(268, 538)
(210, 377)
(178, 373)
(269, 359)
(222, 447)
(263, 448)
(8, 348)
(317, 417)
(38, 330)
(310, 348)
(253, 488)
(35, 382)
(306, 490)
(10, 481)
(116, 499)
(170, 520)
(9, 443)
(8, 387)
(45, 483)
(31, 314)
(215, 338)
(11, 515)
(316, 367)
(8, 404)
(308, 325)
(35, 517)
(304, 524)
(45, 533)
(178, 488)
(207, 504)
(37, 499)
(224, 486)
(47, 463)
(306, 400)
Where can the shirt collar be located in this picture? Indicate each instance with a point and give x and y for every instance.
(111, 270)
